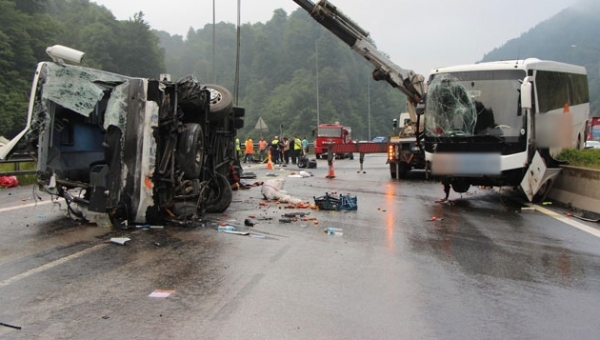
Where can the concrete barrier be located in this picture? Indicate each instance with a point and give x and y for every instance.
(578, 187)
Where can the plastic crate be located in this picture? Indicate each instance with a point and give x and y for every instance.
(328, 202)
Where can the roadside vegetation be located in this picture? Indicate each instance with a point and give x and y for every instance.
(23, 179)
(587, 158)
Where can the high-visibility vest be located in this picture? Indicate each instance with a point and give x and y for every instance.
(297, 144)
(249, 146)
(237, 145)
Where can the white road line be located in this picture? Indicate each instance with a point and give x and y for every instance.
(25, 206)
(49, 265)
(567, 220)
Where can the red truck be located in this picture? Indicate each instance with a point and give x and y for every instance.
(332, 134)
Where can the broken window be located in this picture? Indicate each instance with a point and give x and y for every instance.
(474, 103)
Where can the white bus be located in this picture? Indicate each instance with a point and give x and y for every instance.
(503, 123)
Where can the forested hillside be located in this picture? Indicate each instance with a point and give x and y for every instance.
(571, 36)
(27, 27)
(278, 61)
(278, 78)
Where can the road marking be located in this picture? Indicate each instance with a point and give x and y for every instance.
(567, 220)
(25, 206)
(49, 265)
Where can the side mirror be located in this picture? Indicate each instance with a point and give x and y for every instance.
(526, 94)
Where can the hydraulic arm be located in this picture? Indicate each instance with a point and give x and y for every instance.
(409, 83)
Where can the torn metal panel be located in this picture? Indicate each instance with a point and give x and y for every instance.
(76, 88)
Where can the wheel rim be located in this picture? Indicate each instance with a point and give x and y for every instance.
(215, 96)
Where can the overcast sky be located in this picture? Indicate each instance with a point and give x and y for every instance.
(418, 35)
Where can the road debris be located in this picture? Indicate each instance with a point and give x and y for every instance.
(335, 201)
(120, 240)
(161, 293)
(223, 228)
(248, 222)
(9, 182)
(9, 325)
(243, 233)
(334, 231)
(434, 218)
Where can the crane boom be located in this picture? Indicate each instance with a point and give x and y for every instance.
(409, 83)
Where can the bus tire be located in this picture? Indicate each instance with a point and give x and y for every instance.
(221, 102)
(219, 195)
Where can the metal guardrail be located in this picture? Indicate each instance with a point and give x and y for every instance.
(17, 167)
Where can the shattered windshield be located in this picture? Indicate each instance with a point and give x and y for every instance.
(330, 132)
(474, 103)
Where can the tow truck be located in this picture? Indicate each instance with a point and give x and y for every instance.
(404, 148)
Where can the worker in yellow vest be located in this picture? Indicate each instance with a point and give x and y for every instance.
(297, 149)
(238, 148)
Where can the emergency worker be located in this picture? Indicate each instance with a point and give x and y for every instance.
(249, 150)
(238, 148)
(275, 149)
(262, 149)
(297, 152)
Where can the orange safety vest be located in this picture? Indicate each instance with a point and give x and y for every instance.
(262, 145)
(249, 146)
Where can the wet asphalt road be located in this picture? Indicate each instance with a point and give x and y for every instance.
(484, 269)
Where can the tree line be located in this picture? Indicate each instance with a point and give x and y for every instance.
(281, 62)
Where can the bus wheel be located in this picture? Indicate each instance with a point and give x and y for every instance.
(221, 102)
(190, 150)
(460, 186)
(220, 194)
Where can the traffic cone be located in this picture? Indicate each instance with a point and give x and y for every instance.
(330, 173)
(269, 163)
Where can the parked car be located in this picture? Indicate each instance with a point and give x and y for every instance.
(592, 144)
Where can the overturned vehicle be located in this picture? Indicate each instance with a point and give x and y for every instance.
(130, 150)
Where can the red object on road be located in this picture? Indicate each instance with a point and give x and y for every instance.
(8, 181)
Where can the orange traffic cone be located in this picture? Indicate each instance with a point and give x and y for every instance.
(269, 163)
(330, 173)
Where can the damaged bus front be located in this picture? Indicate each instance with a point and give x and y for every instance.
(503, 123)
(130, 150)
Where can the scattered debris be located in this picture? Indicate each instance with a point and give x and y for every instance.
(334, 231)
(546, 203)
(296, 214)
(105, 317)
(336, 201)
(273, 190)
(265, 218)
(527, 209)
(147, 226)
(222, 228)
(120, 240)
(248, 175)
(161, 293)
(243, 233)
(286, 220)
(595, 220)
(9, 181)
(434, 218)
(10, 326)
(248, 222)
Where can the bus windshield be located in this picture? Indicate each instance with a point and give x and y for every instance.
(330, 132)
(474, 103)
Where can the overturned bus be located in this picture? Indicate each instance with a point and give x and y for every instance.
(130, 150)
